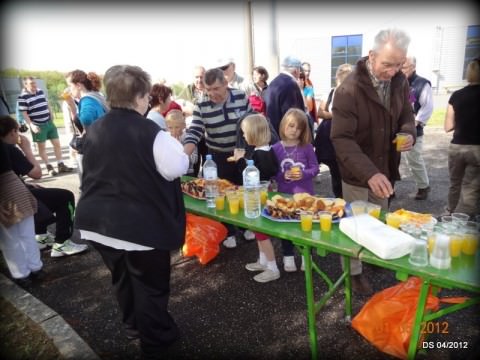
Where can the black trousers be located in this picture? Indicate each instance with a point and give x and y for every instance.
(54, 206)
(335, 177)
(141, 282)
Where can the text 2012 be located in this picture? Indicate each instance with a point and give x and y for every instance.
(444, 344)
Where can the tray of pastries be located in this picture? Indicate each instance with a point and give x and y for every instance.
(287, 209)
(196, 187)
(415, 217)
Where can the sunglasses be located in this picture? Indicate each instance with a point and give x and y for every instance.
(224, 67)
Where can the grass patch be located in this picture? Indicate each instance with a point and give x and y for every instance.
(437, 119)
(21, 338)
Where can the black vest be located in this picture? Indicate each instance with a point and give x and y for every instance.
(417, 84)
(123, 195)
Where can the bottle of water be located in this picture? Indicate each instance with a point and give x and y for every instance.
(251, 191)
(210, 177)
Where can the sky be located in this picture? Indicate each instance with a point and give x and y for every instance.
(170, 38)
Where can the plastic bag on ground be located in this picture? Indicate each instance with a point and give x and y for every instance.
(203, 237)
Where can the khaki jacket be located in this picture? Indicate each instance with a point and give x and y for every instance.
(363, 129)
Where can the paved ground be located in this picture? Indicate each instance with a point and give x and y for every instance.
(223, 313)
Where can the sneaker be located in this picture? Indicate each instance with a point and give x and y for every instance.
(51, 171)
(230, 242)
(422, 194)
(360, 285)
(44, 240)
(266, 276)
(256, 266)
(249, 235)
(62, 168)
(289, 264)
(67, 248)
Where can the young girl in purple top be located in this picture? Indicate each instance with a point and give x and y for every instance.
(298, 166)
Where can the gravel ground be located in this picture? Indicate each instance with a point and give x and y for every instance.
(223, 313)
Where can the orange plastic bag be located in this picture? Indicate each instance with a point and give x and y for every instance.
(203, 237)
(386, 319)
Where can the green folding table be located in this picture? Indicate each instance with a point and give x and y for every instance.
(324, 243)
(464, 274)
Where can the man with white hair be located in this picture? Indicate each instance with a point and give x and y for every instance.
(422, 103)
(370, 107)
(283, 92)
(234, 80)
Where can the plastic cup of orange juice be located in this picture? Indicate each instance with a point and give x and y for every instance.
(306, 219)
(393, 220)
(220, 201)
(455, 245)
(470, 238)
(325, 220)
(400, 139)
(233, 202)
(264, 191)
(374, 210)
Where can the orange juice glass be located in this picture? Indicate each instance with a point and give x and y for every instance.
(306, 219)
(401, 139)
(374, 210)
(264, 192)
(325, 221)
(240, 196)
(393, 220)
(220, 201)
(470, 238)
(455, 245)
(431, 241)
(233, 202)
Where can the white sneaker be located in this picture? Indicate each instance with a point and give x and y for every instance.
(230, 242)
(256, 266)
(44, 240)
(266, 276)
(249, 235)
(67, 248)
(289, 264)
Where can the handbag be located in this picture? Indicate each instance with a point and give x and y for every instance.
(23, 128)
(77, 143)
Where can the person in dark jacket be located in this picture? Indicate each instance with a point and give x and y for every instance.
(370, 107)
(131, 208)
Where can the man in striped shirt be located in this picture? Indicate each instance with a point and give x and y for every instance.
(37, 113)
(216, 116)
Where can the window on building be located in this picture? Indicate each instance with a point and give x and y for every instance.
(472, 47)
(345, 49)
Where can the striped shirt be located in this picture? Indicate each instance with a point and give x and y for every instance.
(35, 105)
(218, 121)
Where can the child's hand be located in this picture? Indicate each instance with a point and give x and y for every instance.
(294, 174)
(237, 154)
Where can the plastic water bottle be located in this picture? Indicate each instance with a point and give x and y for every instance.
(210, 177)
(251, 191)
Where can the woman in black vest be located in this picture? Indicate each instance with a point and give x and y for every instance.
(131, 208)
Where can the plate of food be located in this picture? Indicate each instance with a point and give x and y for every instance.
(415, 217)
(287, 209)
(196, 187)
